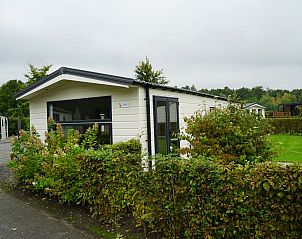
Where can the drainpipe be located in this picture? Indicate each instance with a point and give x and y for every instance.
(148, 125)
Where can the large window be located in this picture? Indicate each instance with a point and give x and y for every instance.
(80, 114)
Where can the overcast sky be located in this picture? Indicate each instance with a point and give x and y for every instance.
(208, 43)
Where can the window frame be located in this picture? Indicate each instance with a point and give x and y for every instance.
(167, 113)
(100, 122)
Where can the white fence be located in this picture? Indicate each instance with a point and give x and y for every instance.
(3, 127)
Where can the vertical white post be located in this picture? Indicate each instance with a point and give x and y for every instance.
(6, 124)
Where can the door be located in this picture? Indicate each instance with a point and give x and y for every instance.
(166, 124)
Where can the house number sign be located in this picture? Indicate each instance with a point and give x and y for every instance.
(124, 104)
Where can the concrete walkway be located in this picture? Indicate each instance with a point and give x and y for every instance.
(19, 220)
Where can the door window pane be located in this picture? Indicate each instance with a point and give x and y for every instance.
(161, 127)
(173, 117)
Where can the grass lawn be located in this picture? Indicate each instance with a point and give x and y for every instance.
(288, 147)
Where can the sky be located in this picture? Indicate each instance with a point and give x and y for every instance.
(208, 43)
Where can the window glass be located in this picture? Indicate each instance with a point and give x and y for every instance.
(89, 109)
(162, 127)
(80, 114)
(173, 125)
(104, 133)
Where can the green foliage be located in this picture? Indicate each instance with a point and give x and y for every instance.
(14, 110)
(144, 72)
(76, 173)
(17, 111)
(287, 125)
(230, 134)
(27, 156)
(36, 73)
(198, 198)
(267, 97)
(90, 137)
(181, 198)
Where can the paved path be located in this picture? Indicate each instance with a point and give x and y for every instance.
(19, 220)
(5, 148)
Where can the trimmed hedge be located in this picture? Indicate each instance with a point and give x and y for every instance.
(181, 198)
(287, 125)
(197, 198)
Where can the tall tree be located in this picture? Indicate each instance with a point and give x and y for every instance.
(36, 73)
(144, 72)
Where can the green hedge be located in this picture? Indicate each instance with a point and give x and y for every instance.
(181, 198)
(287, 125)
(197, 198)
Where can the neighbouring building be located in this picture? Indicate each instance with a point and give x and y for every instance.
(123, 107)
(3, 127)
(255, 108)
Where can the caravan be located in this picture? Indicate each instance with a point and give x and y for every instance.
(3, 127)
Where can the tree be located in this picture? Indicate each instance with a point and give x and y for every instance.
(144, 72)
(36, 73)
(288, 98)
(17, 111)
(269, 102)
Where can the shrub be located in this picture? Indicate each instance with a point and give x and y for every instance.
(198, 198)
(182, 198)
(287, 125)
(77, 173)
(27, 156)
(231, 134)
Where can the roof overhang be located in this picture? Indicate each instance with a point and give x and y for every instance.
(68, 74)
(71, 74)
(254, 106)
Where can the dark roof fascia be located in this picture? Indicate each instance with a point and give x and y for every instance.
(112, 79)
(170, 88)
(38, 83)
(77, 72)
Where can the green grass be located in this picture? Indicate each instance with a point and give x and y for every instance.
(288, 147)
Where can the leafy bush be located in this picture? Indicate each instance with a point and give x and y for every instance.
(76, 173)
(182, 198)
(198, 198)
(27, 156)
(231, 134)
(287, 125)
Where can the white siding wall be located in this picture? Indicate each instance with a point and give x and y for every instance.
(125, 121)
(188, 105)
